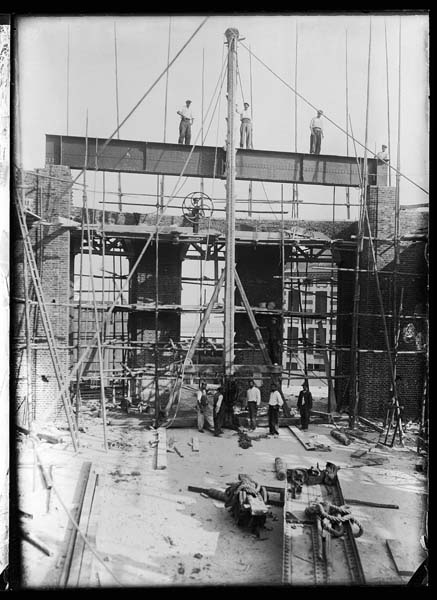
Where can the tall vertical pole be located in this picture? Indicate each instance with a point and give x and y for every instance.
(161, 201)
(68, 77)
(388, 101)
(228, 342)
(347, 133)
(120, 206)
(250, 204)
(202, 136)
(397, 209)
(295, 201)
(353, 414)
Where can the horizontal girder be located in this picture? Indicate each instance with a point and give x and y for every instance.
(157, 158)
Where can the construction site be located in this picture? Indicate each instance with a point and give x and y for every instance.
(141, 319)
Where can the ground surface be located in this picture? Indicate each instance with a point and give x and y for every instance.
(152, 531)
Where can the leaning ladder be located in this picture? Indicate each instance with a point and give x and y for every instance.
(36, 280)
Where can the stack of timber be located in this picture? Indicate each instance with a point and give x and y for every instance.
(77, 560)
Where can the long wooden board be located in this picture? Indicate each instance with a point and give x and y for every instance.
(298, 434)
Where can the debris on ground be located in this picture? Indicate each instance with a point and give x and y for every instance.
(246, 500)
(280, 468)
(340, 437)
(244, 440)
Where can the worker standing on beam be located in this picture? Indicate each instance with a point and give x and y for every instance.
(185, 124)
(316, 127)
(245, 127)
(383, 154)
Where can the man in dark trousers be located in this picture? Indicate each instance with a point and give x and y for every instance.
(275, 402)
(304, 405)
(316, 127)
(230, 398)
(185, 125)
(218, 411)
(253, 400)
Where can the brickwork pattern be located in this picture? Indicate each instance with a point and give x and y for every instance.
(48, 197)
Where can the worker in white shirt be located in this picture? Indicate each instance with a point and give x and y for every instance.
(253, 401)
(185, 124)
(218, 411)
(383, 155)
(316, 127)
(204, 413)
(275, 402)
(245, 127)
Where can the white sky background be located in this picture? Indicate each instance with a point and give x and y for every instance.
(142, 43)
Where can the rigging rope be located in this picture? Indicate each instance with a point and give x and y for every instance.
(331, 120)
(130, 275)
(144, 96)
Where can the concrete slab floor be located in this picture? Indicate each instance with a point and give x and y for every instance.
(153, 532)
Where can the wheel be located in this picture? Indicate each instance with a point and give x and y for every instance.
(197, 205)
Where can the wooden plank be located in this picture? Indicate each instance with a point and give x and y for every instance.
(161, 449)
(70, 536)
(88, 559)
(358, 453)
(28, 537)
(252, 320)
(358, 502)
(195, 443)
(298, 434)
(371, 424)
(76, 562)
(403, 557)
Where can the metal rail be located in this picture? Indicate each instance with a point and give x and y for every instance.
(303, 560)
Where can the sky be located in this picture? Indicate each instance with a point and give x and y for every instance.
(66, 74)
(84, 46)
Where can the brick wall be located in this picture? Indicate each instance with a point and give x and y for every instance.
(47, 197)
(374, 368)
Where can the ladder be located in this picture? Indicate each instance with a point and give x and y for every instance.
(36, 280)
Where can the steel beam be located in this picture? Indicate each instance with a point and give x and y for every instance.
(158, 158)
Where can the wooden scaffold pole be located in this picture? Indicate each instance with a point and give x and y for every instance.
(229, 304)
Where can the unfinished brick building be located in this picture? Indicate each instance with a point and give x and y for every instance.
(142, 345)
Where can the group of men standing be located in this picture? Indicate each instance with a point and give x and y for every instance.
(220, 412)
(246, 130)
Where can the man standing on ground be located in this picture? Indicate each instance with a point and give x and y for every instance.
(185, 124)
(231, 395)
(245, 127)
(304, 405)
(275, 402)
(204, 416)
(316, 127)
(253, 401)
(218, 411)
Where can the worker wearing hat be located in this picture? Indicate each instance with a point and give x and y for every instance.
(316, 127)
(245, 127)
(185, 124)
(304, 405)
(383, 154)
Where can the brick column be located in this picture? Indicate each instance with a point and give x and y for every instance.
(374, 367)
(49, 196)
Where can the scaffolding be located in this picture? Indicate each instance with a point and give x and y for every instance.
(124, 362)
